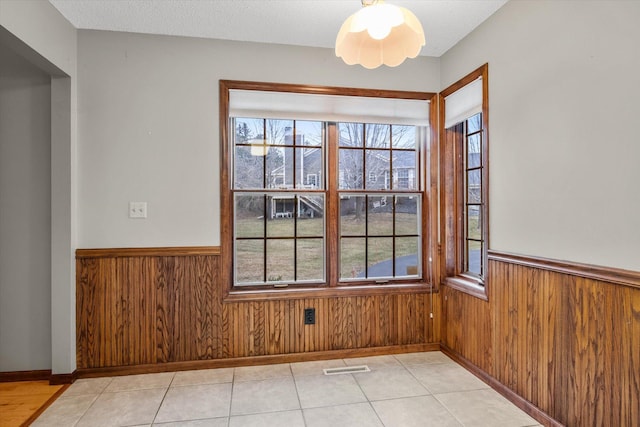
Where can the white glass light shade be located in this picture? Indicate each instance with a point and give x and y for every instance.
(362, 40)
(258, 148)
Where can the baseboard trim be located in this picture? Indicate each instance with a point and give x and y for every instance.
(37, 375)
(58, 379)
(528, 407)
(253, 360)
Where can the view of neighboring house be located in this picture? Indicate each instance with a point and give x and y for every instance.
(300, 166)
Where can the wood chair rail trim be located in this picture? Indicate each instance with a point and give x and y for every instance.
(589, 271)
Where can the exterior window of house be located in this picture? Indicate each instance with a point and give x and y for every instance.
(464, 148)
(379, 226)
(279, 222)
(312, 180)
(472, 166)
(403, 178)
(300, 213)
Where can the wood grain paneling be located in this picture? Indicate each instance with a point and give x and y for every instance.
(140, 308)
(568, 344)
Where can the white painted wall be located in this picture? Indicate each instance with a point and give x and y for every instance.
(40, 26)
(25, 215)
(564, 87)
(45, 38)
(148, 114)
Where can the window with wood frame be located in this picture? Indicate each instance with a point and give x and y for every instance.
(323, 187)
(464, 181)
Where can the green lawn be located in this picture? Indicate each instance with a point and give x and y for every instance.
(310, 261)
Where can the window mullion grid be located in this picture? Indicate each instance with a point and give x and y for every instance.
(264, 238)
(467, 204)
(295, 233)
(366, 200)
(296, 200)
(465, 160)
(364, 156)
(332, 229)
(393, 236)
(393, 207)
(264, 158)
(266, 209)
(366, 236)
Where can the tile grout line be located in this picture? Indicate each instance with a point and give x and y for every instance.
(447, 409)
(162, 400)
(233, 385)
(431, 393)
(295, 385)
(416, 378)
(368, 400)
(92, 403)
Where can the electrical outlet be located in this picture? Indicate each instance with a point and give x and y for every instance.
(138, 210)
(309, 316)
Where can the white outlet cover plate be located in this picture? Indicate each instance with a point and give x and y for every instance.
(137, 209)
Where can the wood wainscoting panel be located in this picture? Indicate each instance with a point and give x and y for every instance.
(566, 343)
(140, 307)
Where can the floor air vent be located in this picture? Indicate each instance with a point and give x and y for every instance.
(347, 370)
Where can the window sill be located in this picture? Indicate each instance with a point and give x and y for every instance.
(236, 295)
(468, 285)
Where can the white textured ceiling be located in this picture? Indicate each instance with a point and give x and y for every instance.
(296, 22)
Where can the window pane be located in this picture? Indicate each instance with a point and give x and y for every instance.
(279, 132)
(249, 261)
(350, 169)
(377, 135)
(352, 216)
(474, 186)
(404, 170)
(309, 168)
(380, 216)
(280, 167)
(310, 217)
(380, 257)
(310, 265)
(474, 151)
(474, 257)
(281, 222)
(377, 164)
(350, 134)
(249, 212)
(275, 167)
(309, 133)
(407, 218)
(352, 257)
(407, 250)
(280, 260)
(474, 223)
(248, 170)
(403, 136)
(248, 130)
(474, 123)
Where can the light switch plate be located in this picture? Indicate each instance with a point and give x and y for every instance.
(137, 210)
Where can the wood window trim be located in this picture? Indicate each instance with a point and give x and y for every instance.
(428, 208)
(451, 223)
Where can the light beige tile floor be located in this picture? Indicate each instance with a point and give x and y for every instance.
(405, 390)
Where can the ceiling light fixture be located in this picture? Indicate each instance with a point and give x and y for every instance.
(379, 33)
(259, 147)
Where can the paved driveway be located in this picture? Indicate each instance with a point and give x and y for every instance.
(385, 268)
